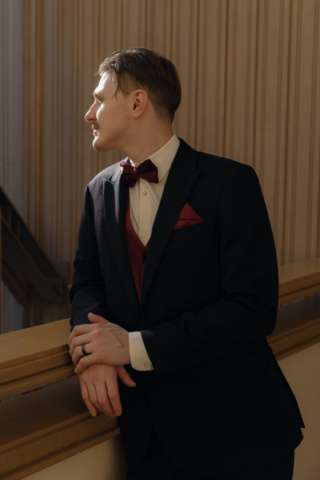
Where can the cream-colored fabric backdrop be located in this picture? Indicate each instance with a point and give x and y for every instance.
(251, 92)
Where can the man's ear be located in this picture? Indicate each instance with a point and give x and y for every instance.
(139, 102)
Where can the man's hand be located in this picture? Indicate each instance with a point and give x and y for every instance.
(105, 342)
(99, 388)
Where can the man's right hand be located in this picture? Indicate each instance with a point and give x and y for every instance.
(99, 388)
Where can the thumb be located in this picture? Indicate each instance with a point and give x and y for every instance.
(96, 318)
(125, 377)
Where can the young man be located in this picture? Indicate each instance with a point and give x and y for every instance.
(175, 289)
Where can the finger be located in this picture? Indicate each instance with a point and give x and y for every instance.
(125, 377)
(85, 362)
(79, 340)
(96, 318)
(85, 397)
(80, 330)
(93, 395)
(103, 400)
(113, 392)
(97, 374)
(78, 353)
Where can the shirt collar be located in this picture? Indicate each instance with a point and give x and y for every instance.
(163, 157)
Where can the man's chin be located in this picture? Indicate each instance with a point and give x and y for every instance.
(97, 147)
(101, 148)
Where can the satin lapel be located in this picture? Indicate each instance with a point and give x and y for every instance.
(114, 194)
(180, 181)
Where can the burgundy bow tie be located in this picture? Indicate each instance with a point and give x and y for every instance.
(146, 170)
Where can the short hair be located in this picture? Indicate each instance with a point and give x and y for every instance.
(143, 68)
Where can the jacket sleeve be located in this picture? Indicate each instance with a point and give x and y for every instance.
(88, 292)
(247, 309)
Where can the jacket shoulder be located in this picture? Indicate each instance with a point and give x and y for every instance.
(215, 164)
(221, 171)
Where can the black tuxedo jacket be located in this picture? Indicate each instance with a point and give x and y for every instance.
(217, 397)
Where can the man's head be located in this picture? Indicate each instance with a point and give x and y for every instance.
(142, 68)
(136, 84)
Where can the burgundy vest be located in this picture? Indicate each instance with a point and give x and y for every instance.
(136, 250)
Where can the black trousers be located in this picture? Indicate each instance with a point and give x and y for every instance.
(156, 466)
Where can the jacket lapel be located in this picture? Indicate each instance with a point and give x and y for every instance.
(114, 193)
(181, 179)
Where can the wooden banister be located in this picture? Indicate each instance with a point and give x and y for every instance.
(47, 426)
(298, 280)
(24, 257)
(34, 357)
(38, 356)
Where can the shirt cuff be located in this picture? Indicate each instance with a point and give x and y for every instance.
(138, 354)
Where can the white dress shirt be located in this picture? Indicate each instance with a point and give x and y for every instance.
(144, 202)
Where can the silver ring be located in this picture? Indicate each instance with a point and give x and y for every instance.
(83, 350)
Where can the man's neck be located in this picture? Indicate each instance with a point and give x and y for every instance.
(138, 153)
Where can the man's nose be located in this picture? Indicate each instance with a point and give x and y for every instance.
(90, 116)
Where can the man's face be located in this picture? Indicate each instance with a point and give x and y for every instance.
(109, 115)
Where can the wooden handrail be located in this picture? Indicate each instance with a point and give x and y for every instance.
(298, 280)
(46, 426)
(34, 357)
(38, 356)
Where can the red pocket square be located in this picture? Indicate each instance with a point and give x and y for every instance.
(187, 217)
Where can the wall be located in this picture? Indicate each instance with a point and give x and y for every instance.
(251, 92)
(105, 461)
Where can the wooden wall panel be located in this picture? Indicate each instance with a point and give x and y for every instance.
(250, 91)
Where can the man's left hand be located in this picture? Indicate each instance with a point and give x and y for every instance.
(105, 342)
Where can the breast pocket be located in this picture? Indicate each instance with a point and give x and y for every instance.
(189, 231)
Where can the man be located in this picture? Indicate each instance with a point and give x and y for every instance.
(175, 289)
